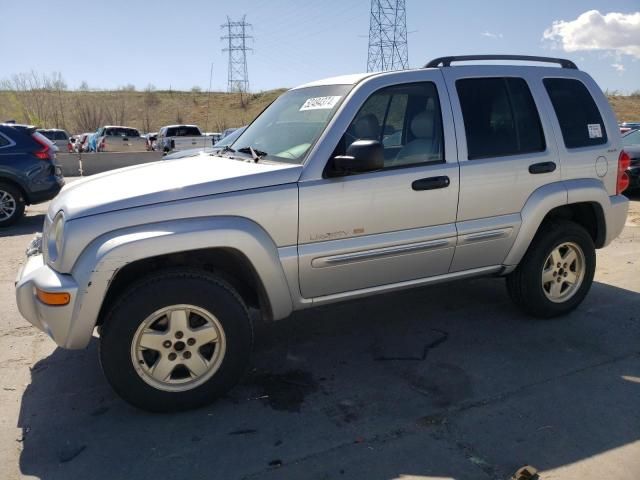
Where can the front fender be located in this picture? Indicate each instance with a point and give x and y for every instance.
(100, 261)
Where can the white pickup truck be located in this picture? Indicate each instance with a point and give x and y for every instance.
(181, 137)
(112, 138)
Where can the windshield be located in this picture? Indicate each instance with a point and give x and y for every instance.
(290, 126)
(631, 138)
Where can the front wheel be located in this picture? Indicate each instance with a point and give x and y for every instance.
(176, 340)
(557, 271)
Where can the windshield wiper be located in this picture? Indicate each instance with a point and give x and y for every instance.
(255, 154)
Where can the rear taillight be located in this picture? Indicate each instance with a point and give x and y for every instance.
(69, 147)
(624, 161)
(103, 144)
(43, 153)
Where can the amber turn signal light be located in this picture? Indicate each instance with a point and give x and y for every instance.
(56, 299)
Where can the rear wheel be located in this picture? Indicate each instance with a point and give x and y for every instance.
(557, 271)
(12, 204)
(175, 341)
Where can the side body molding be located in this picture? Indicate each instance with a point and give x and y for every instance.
(99, 262)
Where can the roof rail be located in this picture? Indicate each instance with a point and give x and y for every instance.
(446, 61)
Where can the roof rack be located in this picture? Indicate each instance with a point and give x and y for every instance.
(446, 61)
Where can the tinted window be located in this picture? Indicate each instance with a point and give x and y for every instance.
(3, 141)
(406, 119)
(122, 132)
(60, 135)
(48, 133)
(188, 132)
(500, 117)
(577, 113)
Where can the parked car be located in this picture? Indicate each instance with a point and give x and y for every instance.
(215, 136)
(310, 208)
(82, 144)
(59, 137)
(113, 138)
(631, 143)
(181, 137)
(28, 171)
(151, 140)
(225, 142)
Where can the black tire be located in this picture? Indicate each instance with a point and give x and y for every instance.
(14, 195)
(524, 284)
(160, 290)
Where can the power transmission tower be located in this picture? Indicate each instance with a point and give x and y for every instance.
(388, 36)
(238, 77)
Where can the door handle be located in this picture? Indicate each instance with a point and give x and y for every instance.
(544, 167)
(431, 183)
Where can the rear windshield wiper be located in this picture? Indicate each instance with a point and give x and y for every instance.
(255, 153)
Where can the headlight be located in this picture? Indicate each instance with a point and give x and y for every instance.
(55, 237)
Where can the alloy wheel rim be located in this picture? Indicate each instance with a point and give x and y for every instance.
(178, 348)
(563, 272)
(7, 205)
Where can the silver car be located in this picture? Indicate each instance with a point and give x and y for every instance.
(342, 188)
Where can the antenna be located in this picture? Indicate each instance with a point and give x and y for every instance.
(388, 48)
(238, 77)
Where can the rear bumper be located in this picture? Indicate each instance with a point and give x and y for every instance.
(55, 321)
(616, 216)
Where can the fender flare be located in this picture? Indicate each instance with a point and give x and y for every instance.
(551, 196)
(106, 255)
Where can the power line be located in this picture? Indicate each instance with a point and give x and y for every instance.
(238, 76)
(388, 48)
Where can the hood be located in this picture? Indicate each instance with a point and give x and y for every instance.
(163, 181)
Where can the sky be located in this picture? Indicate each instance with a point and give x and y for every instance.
(172, 44)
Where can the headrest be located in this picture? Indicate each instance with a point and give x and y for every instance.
(367, 127)
(422, 125)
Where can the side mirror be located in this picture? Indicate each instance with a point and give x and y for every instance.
(362, 156)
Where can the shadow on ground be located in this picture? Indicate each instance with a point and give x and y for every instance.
(26, 225)
(448, 381)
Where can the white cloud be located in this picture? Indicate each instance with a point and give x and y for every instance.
(491, 35)
(619, 67)
(616, 32)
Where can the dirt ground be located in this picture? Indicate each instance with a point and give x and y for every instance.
(445, 382)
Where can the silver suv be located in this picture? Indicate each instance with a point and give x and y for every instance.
(342, 188)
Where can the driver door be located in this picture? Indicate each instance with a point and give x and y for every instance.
(361, 231)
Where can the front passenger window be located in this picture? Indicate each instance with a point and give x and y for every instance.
(406, 120)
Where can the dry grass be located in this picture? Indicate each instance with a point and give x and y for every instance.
(148, 111)
(627, 108)
(85, 111)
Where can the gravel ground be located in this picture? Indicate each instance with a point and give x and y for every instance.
(481, 391)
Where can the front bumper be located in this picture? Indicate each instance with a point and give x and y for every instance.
(55, 321)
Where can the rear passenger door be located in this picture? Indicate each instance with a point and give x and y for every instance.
(506, 152)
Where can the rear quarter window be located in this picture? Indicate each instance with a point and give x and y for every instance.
(578, 115)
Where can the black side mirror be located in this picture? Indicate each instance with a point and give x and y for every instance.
(362, 156)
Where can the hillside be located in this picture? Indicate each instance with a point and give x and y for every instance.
(78, 111)
(148, 111)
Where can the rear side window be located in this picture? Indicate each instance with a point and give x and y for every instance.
(500, 117)
(3, 141)
(578, 115)
(60, 135)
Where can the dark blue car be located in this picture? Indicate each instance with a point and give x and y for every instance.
(28, 171)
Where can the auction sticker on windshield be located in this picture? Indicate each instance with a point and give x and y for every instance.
(320, 103)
